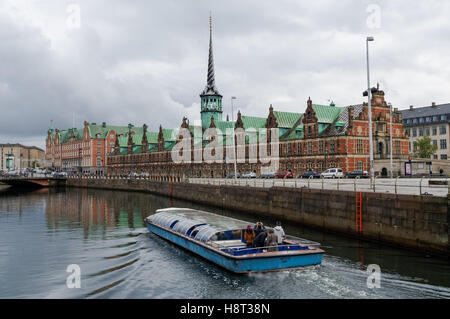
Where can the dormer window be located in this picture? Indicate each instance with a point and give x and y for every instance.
(309, 116)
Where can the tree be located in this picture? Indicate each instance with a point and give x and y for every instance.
(424, 148)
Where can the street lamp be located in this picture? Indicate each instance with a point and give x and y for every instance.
(369, 91)
(234, 147)
(390, 134)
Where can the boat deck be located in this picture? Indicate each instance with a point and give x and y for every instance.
(239, 248)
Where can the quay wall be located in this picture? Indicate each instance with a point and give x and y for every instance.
(411, 221)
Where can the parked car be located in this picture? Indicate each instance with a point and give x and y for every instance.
(249, 175)
(268, 175)
(231, 175)
(60, 174)
(310, 174)
(333, 173)
(13, 174)
(285, 175)
(358, 173)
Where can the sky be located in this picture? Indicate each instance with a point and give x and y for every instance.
(120, 62)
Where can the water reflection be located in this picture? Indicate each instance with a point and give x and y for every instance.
(103, 231)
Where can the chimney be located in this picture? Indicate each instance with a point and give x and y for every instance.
(411, 107)
(433, 104)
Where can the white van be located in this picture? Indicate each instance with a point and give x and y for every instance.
(333, 173)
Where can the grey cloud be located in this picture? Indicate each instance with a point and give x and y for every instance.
(145, 61)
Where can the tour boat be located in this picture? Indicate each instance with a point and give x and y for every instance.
(220, 240)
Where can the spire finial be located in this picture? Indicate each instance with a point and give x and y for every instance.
(210, 22)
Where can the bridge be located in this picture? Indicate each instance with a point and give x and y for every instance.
(33, 182)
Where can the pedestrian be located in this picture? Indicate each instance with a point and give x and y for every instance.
(279, 231)
(249, 236)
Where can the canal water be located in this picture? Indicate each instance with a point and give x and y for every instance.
(43, 232)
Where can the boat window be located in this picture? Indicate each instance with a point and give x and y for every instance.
(173, 224)
(192, 228)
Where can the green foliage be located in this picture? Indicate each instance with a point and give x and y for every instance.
(424, 147)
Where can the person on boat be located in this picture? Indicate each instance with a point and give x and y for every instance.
(249, 236)
(271, 240)
(259, 227)
(279, 231)
(260, 239)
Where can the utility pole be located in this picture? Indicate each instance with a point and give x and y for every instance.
(234, 142)
(390, 135)
(369, 95)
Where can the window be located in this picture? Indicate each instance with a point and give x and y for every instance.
(443, 144)
(442, 129)
(414, 132)
(421, 131)
(407, 131)
(321, 147)
(359, 146)
(332, 147)
(434, 142)
(434, 130)
(428, 119)
(309, 115)
(435, 156)
(99, 144)
(421, 120)
(443, 156)
(427, 131)
(443, 117)
(309, 148)
(99, 161)
(397, 147)
(360, 166)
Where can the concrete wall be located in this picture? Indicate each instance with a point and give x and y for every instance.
(419, 222)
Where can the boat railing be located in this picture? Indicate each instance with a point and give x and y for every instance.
(297, 244)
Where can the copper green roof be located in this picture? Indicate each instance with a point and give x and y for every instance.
(287, 119)
(253, 122)
(327, 114)
(294, 135)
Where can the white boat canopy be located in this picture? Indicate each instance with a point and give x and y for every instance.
(198, 224)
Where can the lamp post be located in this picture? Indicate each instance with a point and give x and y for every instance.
(369, 95)
(234, 147)
(390, 135)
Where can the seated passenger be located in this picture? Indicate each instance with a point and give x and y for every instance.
(260, 239)
(249, 236)
(271, 241)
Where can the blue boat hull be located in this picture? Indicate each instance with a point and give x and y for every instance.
(239, 265)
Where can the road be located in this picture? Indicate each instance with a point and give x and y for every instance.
(408, 186)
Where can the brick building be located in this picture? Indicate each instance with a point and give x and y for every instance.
(83, 150)
(321, 137)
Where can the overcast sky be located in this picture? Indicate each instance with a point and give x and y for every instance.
(141, 62)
